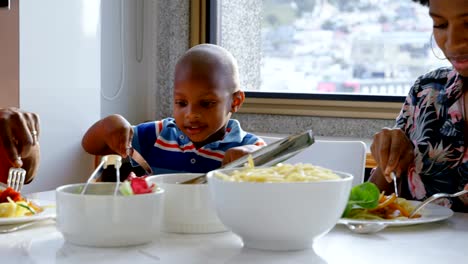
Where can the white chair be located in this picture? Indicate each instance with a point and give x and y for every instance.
(338, 155)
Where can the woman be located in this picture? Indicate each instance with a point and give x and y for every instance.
(427, 149)
(19, 145)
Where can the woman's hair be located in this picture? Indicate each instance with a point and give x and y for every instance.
(422, 2)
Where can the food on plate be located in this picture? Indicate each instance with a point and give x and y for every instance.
(137, 185)
(279, 173)
(367, 202)
(12, 204)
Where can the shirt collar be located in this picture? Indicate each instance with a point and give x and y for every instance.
(234, 132)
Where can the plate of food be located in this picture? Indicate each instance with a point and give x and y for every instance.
(16, 209)
(431, 213)
(368, 205)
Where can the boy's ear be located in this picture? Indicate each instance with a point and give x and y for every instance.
(237, 100)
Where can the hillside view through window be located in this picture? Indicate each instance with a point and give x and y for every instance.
(369, 47)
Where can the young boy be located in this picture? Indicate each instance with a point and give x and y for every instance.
(201, 136)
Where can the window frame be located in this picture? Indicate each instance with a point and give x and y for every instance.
(204, 29)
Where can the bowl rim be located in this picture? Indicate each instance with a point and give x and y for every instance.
(155, 177)
(345, 177)
(60, 189)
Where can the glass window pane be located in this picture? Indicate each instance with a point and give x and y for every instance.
(359, 47)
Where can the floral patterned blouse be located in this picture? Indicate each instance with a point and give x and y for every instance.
(432, 117)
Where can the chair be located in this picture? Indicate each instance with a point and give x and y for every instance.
(338, 155)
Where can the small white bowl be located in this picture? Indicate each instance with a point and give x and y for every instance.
(279, 216)
(188, 208)
(100, 219)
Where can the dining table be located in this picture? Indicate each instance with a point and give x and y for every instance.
(436, 242)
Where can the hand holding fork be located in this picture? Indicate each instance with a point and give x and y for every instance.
(19, 146)
(16, 178)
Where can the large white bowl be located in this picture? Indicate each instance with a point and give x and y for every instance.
(188, 208)
(279, 216)
(101, 219)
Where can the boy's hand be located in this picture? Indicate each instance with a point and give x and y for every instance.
(234, 153)
(119, 134)
(111, 135)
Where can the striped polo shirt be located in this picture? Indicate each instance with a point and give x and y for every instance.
(168, 150)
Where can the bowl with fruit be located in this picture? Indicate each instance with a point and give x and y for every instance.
(101, 217)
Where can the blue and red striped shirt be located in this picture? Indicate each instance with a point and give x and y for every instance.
(168, 150)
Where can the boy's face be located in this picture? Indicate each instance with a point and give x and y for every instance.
(202, 107)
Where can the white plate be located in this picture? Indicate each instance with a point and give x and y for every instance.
(430, 213)
(49, 212)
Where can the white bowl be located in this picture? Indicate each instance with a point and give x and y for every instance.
(188, 208)
(279, 216)
(101, 219)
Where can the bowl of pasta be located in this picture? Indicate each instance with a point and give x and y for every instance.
(100, 217)
(283, 207)
(188, 208)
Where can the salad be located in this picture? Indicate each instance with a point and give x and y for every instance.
(137, 185)
(12, 204)
(367, 202)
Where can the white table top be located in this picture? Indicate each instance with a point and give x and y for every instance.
(441, 242)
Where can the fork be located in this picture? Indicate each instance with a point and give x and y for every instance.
(16, 178)
(435, 197)
(394, 183)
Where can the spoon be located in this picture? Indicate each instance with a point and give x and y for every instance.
(367, 228)
(435, 197)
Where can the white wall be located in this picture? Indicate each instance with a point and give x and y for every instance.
(60, 51)
(123, 64)
(81, 60)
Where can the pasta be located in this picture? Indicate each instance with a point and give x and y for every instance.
(279, 173)
(12, 204)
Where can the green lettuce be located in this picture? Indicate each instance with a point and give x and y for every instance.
(365, 195)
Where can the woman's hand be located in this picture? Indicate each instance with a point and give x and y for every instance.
(393, 151)
(19, 142)
(235, 153)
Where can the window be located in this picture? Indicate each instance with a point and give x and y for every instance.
(345, 58)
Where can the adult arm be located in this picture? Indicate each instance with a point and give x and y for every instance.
(19, 144)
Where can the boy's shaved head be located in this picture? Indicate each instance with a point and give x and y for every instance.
(206, 93)
(208, 61)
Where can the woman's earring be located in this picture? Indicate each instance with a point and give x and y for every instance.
(440, 57)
